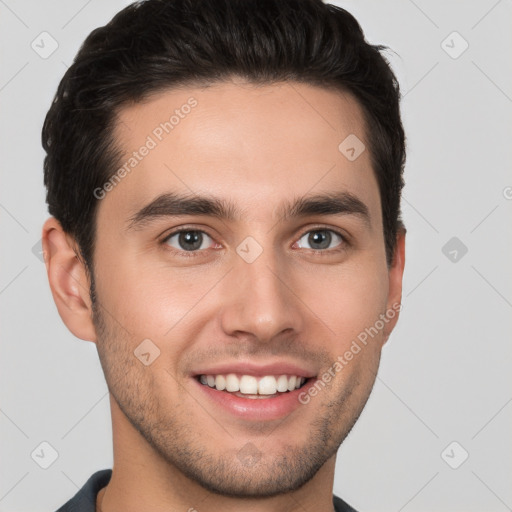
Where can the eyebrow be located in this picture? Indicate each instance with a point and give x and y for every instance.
(175, 204)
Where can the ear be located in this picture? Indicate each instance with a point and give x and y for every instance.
(68, 280)
(396, 273)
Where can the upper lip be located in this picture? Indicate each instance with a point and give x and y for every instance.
(257, 370)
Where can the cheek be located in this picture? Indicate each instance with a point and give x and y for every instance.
(151, 299)
(350, 300)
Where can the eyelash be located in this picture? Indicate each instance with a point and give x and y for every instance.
(193, 254)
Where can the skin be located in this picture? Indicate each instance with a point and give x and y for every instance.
(258, 147)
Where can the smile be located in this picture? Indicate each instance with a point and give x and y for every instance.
(249, 386)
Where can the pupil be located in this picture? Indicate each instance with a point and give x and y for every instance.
(190, 237)
(320, 237)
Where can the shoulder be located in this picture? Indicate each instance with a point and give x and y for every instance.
(341, 506)
(85, 499)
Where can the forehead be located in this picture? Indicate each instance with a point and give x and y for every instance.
(254, 145)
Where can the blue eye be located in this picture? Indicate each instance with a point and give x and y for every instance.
(188, 240)
(191, 242)
(321, 239)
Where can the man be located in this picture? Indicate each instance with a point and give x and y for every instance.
(224, 180)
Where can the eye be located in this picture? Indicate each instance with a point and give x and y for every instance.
(321, 239)
(188, 240)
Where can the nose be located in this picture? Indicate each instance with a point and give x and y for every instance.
(261, 302)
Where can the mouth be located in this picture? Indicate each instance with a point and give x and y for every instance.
(254, 394)
(253, 387)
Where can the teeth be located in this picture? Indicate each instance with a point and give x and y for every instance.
(250, 385)
(232, 383)
(220, 382)
(282, 383)
(267, 386)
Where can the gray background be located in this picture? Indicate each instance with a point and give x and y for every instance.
(445, 374)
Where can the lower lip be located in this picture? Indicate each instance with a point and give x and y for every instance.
(257, 409)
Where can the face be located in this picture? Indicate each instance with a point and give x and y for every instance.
(242, 249)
